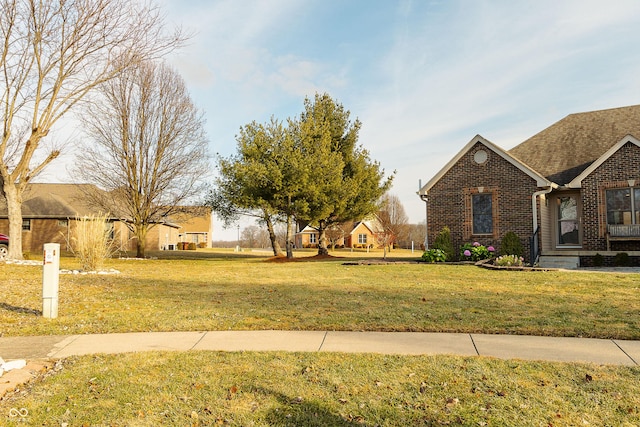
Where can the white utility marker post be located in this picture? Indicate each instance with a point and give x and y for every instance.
(50, 280)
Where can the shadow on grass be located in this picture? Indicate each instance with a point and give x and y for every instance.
(21, 310)
(300, 255)
(178, 255)
(296, 411)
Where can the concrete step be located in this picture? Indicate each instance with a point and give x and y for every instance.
(566, 262)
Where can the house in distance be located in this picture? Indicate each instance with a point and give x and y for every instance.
(50, 212)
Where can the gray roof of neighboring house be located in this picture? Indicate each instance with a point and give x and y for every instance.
(565, 149)
(53, 201)
(61, 201)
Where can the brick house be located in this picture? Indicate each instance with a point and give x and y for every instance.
(49, 216)
(569, 192)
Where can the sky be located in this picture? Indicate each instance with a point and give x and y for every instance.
(424, 77)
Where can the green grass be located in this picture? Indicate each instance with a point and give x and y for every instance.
(245, 293)
(292, 389)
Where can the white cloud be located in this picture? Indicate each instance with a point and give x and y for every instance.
(507, 72)
(423, 77)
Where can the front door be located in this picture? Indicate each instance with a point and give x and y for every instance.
(568, 218)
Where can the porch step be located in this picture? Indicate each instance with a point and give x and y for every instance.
(566, 262)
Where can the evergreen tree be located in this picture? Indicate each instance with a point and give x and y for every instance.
(346, 184)
(251, 181)
(443, 242)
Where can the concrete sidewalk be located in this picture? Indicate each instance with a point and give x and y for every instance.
(599, 351)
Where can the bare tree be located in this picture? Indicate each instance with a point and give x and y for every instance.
(393, 220)
(263, 240)
(413, 236)
(337, 233)
(148, 147)
(250, 236)
(53, 54)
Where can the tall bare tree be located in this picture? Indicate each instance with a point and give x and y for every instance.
(148, 147)
(393, 219)
(54, 52)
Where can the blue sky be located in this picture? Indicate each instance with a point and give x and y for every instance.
(423, 77)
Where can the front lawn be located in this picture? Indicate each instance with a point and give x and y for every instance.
(222, 293)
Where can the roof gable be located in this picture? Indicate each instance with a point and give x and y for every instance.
(541, 181)
(577, 181)
(358, 226)
(564, 150)
(308, 229)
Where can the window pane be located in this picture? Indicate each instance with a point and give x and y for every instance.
(619, 206)
(482, 213)
(567, 208)
(568, 231)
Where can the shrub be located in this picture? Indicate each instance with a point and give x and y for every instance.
(90, 241)
(511, 245)
(475, 252)
(622, 260)
(192, 246)
(444, 243)
(509, 261)
(434, 255)
(598, 260)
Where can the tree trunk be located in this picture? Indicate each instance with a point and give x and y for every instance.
(13, 195)
(322, 239)
(289, 236)
(277, 250)
(141, 236)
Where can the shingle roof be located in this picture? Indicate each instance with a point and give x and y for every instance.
(53, 201)
(566, 148)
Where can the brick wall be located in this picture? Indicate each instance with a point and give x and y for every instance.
(59, 231)
(42, 231)
(615, 172)
(450, 200)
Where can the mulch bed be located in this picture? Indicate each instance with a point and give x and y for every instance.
(303, 259)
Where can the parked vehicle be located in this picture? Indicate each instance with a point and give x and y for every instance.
(4, 246)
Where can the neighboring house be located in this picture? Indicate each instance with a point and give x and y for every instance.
(365, 234)
(196, 225)
(569, 192)
(360, 234)
(307, 237)
(49, 216)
